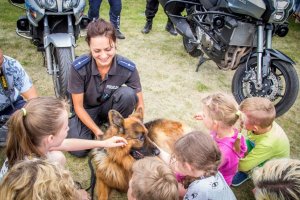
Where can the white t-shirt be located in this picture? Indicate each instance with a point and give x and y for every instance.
(211, 188)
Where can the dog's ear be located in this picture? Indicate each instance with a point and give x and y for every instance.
(138, 113)
(115, 118)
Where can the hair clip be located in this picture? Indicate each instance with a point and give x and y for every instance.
(238, 113)
(24, 111)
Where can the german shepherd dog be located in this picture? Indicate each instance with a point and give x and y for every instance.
(113, 165)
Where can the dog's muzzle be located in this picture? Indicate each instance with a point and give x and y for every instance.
(141, 153)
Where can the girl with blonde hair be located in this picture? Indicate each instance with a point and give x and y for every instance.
(40, 128)
(40, 180)
(220, 115)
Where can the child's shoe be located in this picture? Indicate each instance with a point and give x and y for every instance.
(239, 178)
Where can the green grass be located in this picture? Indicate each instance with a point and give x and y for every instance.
(171, 87)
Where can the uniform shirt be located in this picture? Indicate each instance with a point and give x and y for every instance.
(272, 144)
(210, 188)
(85, 78)
(17, 79)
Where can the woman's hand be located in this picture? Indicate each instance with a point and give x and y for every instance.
(199, 116)
(98, 133)
(115, 141)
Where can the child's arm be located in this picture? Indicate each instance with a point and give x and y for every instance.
(73, 144)
(165, 156)
(256, 156)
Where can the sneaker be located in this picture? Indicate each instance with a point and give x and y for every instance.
(239, 178)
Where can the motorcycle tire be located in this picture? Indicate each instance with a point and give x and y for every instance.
(191, 48)
(63, 61)
(280, 71)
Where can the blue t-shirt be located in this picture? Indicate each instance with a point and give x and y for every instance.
(17, 79)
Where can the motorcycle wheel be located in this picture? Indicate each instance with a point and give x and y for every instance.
(280, 86)
(191, 48)
(63, 61)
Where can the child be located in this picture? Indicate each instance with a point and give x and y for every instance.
(278, 179)
(39, 179)
(152, 179)
(196, 156)
(40, 129)
(266, 139)
(220, 114)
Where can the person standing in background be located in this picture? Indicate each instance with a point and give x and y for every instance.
(114, 13)
(151, 10)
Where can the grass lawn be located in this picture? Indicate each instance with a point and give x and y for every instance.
(172, 89)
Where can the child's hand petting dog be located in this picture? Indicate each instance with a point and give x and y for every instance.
(115, 141)
(198, 116)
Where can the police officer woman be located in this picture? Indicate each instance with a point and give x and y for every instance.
(96, 83)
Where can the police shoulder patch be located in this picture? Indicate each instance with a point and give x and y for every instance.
(81, 61)
(124, 62)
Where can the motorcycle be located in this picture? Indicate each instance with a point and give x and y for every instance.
(53, 26)
(237, 34)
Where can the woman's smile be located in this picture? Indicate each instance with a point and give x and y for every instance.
(103, 50)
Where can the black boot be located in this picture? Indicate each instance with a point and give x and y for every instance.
(170, 28)
(148, 26)
(119, 35)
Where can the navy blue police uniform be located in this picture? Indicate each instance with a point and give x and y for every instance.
(116, 91)
(114, 12)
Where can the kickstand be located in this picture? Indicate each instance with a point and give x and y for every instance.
(202, 60)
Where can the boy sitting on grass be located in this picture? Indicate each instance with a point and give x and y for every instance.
(152, 179)
(265, 138)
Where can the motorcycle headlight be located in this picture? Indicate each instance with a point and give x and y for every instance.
(50, 5)
(280, 10)
(69, 4)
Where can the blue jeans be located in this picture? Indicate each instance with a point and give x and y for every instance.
(114, 12)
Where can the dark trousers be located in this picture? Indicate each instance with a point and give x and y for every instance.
(123, 100)
(114, 12)
(151, 8)
(19, 103)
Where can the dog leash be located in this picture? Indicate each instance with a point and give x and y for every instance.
(93, 178)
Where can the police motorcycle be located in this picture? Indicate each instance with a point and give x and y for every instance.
(53, 26)
(237, 34)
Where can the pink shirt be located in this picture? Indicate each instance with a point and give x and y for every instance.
(230, 158)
